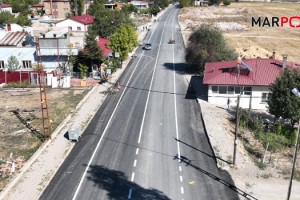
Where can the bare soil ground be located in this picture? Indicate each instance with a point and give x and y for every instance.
(248, 41)
(18, 142)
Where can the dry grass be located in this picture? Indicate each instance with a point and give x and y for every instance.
(254, 41)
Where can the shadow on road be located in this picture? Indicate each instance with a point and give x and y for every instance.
(181, 68)
(189, 163)
(212, 156)
(118, 187)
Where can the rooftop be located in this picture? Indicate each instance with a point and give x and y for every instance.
(84, 19)
(263, 72)
(12, 38)
(103, 42)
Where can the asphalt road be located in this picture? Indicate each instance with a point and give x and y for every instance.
(147, 141)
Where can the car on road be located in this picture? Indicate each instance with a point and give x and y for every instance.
(147, 46)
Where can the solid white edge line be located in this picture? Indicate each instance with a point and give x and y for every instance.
(155, 65)
(104, 132)
(175, 102)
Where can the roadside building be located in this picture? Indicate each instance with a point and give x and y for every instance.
(5, 8)
(251, 78)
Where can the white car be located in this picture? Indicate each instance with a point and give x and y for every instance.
(147, 46)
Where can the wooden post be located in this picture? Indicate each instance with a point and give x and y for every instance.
(236, 129)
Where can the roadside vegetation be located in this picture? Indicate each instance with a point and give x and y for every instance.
(207, 44)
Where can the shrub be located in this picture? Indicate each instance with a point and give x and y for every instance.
(276, 141)
(293, 138)
(226, 2)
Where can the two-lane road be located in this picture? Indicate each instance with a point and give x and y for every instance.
(147, 141)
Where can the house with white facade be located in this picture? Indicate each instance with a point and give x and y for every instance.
(77, 26)
(140, 4)
(5, 8)
(249, 78)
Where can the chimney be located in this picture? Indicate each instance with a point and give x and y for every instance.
(8, 27)
(54, 35)
(284, 60)
(273, 56)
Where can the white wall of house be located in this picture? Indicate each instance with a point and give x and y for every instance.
(27, 57)
(256, 98)
(7, 9)
(72, 25)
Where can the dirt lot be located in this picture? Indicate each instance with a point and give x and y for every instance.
(248, 41)
(18, 142)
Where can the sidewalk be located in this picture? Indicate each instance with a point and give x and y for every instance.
(36, 174)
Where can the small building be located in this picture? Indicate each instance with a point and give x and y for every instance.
(38, 9)
(5, 8)
(13, 39)
(140, 4)
(250, 78)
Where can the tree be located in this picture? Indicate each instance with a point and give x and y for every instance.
(13, 64)
(185, 3)
(226, 2)
(207, 44)
(282, 102)
(129, 8)
(214, 2)
(23, 20)
(107, 21)
(124, 40)
(6, 18)
(83, 70)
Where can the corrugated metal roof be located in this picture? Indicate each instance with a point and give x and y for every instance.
(265, 71)
(12, 38)
(102, 43)
(5, 6)
(84, 19)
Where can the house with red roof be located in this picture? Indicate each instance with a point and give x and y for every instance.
(77, 23)
(102, 43)
(5, 8)
(251, 78)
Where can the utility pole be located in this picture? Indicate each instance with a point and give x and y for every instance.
(294, 162)
(236, 128)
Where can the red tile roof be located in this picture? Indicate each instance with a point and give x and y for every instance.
(12, 38)
(103, 42)
(264, 72)
(84, 19)
(5, 5)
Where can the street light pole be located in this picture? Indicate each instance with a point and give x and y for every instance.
(294, 162)
(296, 92)
(236, 128)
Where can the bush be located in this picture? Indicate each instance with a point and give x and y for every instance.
(276, 141)
(24, 84)
(226, 2)
(293, 138)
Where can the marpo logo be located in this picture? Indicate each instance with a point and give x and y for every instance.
(293, 21)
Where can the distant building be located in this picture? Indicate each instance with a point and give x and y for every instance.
(61, 8)
(5, 8)
(140, 4)
(38, 8)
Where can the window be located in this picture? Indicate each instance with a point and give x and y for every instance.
(264, 97)
(1, 64)
(237, 90)
(26, 64)
(78, 28)
(214, 89)
(247, 90)
(222, 89)
(230, 90)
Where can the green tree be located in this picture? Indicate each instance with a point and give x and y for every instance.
(226, 2)
(107, 21)
(83, 70)
(129, 8)
(282, 102)
(23, 20)
(124, 40)
(13, 64)
(154, 9)
(6, 18)
(207, 44)
(185, 3)
(92, 52)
